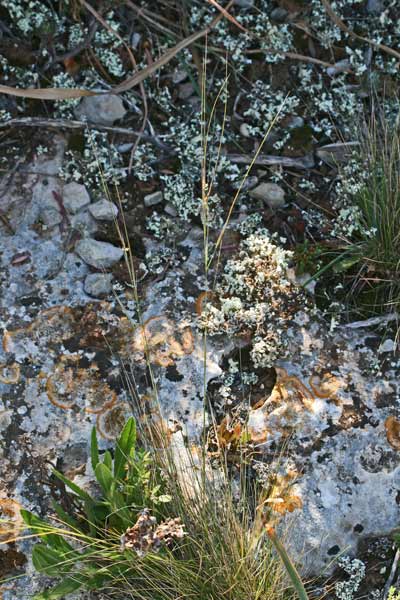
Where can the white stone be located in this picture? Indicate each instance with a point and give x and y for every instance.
(153, 199)
(387, 346)
(103, 210)
(75, 197)
(185, 90)
(244, 130)
(171, 210)
(270, 193)
(104, 110)
(244, 3)
(98, 284)
(51, 217)
(98, 254)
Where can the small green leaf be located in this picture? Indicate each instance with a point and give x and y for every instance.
(125, 444)
(96, 514)
(107, 459)
(67, 586)
(164, 498)
(65, 517)
(346, 264)
(94, 449)
(48, 560)
(72, 486)
(105, 478)
(289, 566)
(47, 532)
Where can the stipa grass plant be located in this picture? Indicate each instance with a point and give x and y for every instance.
(133, 540)
(368, 225)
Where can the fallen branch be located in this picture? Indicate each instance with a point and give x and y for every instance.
(293, 56)
(339, 23)
(68, 93)
(373, 321)
(70, 124)
(269, 160)
(226, 14)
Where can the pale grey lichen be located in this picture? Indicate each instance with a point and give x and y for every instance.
(355, 569)
(256, 298)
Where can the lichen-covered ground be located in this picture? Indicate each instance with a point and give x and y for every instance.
(308, 384)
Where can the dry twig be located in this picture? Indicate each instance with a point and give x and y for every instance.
(339, 23)
(58, 124)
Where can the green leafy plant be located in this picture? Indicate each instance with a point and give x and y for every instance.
(122, 542)
(81, 547)
(393, 594)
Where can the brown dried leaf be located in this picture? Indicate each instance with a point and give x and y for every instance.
(392, 426)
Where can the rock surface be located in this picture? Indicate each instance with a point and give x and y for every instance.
(330, 411)
(270, 193)
(104, 110)
(100, 255)
(75, 197)
(98, 284)
(153, 199)
(103, 210)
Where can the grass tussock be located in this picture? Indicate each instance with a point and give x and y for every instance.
(377, 281)
(154, 532)
(365, 258)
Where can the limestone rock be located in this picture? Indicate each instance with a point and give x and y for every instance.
(244, 3)
(100, 255)
(153, 198)
(75, 197)
(98, 284)
(104, 110)
(387, 346)
(244, 130)
(103, 210)
(171, 210)
(270, 193)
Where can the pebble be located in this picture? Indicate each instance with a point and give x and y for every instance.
(153, 199)
(135, 39)
(295, 123)
(179, 75)
(185, 90)
(98, 284)
(375, 6)
(103, 210)
(75, 197)
(50, 217)
(171, 210)
(250, 182)
(279, 15)
(244, 130)
(100, 255)
(244, 3)
(103, 110)
(339, 67)
(387, 346)
(332, 154)
(270, 193)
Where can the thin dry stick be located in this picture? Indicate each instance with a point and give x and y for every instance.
(339, 23)
(68, 93)
(72, 124)
(294, 56)
(146, 16)
(227, 15)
